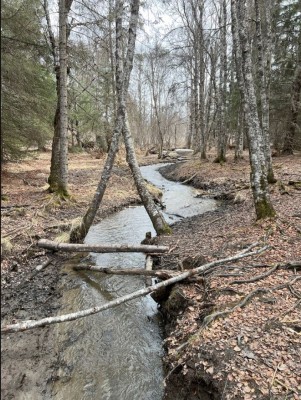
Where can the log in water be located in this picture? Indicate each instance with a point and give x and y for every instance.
(116, 355)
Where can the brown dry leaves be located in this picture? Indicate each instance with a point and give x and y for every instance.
(254, 351)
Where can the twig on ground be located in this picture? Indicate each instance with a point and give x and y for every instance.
(170, 372)
(38, 269)
(242, 303)
(190, 179)
(286, 387)
(289, 310)
(255, 278)
(273, 379)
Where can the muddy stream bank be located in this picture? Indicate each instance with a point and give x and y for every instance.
(116, 354)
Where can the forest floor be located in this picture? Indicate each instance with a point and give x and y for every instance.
(250, 353)
(28, 212)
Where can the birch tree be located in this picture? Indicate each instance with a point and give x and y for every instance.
(263, 68)
(222, 128)
(259, 183)
(122, 78)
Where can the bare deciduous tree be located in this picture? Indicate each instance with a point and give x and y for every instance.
(259, 183)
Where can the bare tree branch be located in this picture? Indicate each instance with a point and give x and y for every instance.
(29, 324)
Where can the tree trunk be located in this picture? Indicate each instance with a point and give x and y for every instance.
(196, 110)
(288, 146)
(239, 136)
(156, 217)
(222, 136)
(201, 43)
(62, 188)
(55, 162)
(123, 72)
(239, 75)
(190, 107)
(264, 97)
(117, 248)
(260, 189)
(59, 154)
(55, 151)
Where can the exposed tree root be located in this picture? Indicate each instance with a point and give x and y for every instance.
(255, 278)
(242, 303)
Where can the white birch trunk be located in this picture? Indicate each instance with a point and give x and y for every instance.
(263, 88)
(260, 189)
(155, 215)
(222, 129)
(123, 72)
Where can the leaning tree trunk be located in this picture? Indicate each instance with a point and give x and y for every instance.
(288, 146)
(264, 97)
(156, 217)
(122, 84)
(259, 183)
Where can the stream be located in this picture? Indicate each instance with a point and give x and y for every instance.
(117, 354)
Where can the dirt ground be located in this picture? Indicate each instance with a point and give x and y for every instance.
(28, 212)
(249, 353)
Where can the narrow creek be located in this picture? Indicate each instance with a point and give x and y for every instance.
(116, 355)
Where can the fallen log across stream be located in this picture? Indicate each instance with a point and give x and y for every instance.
(162, 274)
(115, 248)
(30, 324)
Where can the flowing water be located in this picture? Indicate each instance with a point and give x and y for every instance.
(116, 354)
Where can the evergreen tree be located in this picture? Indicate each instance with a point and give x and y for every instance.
(27, 86)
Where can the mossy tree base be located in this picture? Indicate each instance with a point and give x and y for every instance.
(264, 209)
(78, 233)
(61, 194)
(166, 230)
(220, 160)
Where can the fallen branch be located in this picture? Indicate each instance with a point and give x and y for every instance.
(117, 248)
(18, 229)
(290, 389)
(242, 303)
(298, 303)
(255, 278)
(16, 206)
(189, 179)
(162, 274)
(29, 324)
(37, 269)
(287, 284)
